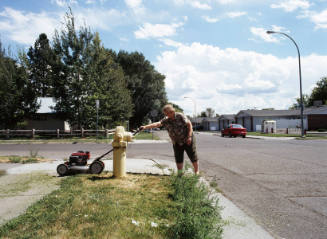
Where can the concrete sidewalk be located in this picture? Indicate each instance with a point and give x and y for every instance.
(239, 225)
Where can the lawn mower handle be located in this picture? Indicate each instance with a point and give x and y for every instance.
(100, 157)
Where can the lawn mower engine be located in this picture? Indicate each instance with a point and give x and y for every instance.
(79, 158)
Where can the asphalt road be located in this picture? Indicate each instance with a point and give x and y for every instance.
(281, 184)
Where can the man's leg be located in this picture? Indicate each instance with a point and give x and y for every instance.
(192, 154)
(179, 158)
(196, 167)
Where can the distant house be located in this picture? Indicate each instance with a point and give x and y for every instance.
(313, 118)
(210, 124)
(46, 118)
(252, 119)
(197, 122)
(225, 120)
(317, 117)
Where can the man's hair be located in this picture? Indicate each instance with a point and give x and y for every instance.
(168, 107)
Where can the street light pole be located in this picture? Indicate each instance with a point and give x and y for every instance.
(194, 110)
(301, 97)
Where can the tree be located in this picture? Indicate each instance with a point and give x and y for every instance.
(177, 108)
(210, 112)
(109, 87)
(40, 61)
(146, 85)
(203, 114)
(84, 72)
(71, 85)
(319, 93)
(18, 99)
(298, 102)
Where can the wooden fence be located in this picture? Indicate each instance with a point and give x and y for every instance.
(7, 133)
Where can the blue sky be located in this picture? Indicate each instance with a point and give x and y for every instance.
(216, 52)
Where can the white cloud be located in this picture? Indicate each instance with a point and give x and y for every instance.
(223, 2)
(292, 5)
(105, 19)
(229, 80)
(17, 24)
(235, 14)
(169, 42)
(64, 3)
(90, 1)
(262, 33)
(149, 30)
(240, 2)
(279, 29)
(25, 27)
(136, 6)
(211, 19)
(203, 5)
(319, 19)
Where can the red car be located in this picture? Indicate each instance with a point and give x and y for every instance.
(234, 130)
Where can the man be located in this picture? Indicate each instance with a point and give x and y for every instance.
(181, 133)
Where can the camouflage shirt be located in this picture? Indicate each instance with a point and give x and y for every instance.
(177, 128)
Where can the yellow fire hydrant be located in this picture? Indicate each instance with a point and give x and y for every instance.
(119, 144)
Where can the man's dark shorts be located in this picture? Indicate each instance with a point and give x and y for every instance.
(190, 150)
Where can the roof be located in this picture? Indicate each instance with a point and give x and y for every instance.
(210, 119)
(227, 117)
(196, 120)
(316, 110)
(259, 113)
(45, 105)
(296, 112)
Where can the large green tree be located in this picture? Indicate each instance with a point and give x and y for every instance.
(319, 93)
(40, 62)
(84, 72)
(18, 98)
(146, 85)
(70, 85)
(108, 85)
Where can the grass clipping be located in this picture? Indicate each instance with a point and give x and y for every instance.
(139, 206)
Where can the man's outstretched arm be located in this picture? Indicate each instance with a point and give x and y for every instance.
(150, 126)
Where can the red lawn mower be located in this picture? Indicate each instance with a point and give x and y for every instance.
(78, 163)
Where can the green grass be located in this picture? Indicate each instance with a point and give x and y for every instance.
(88, 206)
(145, 135)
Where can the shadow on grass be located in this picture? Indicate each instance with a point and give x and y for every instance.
(96, 178)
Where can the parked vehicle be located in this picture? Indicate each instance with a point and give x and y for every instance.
(234, 130)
